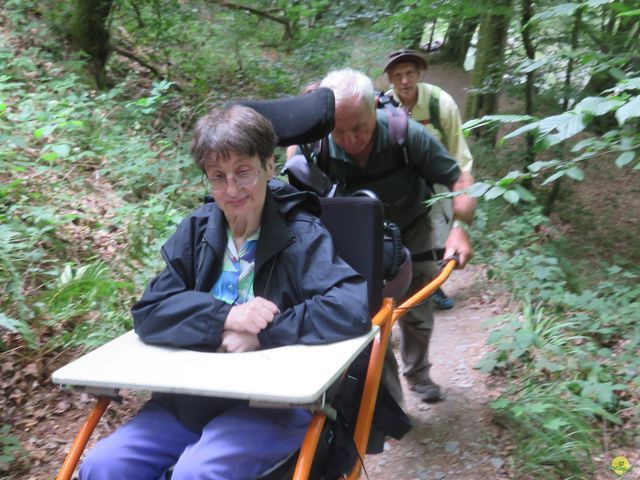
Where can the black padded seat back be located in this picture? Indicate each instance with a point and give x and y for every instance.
(356, 225)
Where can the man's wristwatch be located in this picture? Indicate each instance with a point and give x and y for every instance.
(459, 224)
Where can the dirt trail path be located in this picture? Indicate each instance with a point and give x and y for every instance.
(454, 438)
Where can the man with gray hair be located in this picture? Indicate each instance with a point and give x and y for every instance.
(361, 154)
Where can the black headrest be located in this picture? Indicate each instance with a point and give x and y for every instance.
(298, 120)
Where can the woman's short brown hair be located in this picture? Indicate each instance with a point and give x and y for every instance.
(234, 129)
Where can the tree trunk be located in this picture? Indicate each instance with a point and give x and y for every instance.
(458, 39)
(577, 21)
(530, 49)
(89, 32)
(487, 72)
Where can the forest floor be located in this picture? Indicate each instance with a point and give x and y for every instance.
(453, 439)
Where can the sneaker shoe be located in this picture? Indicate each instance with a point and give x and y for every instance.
(441, 301)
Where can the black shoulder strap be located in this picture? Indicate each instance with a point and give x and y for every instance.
(322, 154)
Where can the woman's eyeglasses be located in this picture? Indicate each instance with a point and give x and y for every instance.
(245, 179)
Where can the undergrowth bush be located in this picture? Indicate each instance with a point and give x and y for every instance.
(87, 179)
(569, 349)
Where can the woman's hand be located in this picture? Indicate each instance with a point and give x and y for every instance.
(252, 316)
(236, 342)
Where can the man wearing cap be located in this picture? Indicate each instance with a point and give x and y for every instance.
(437, 111)
(362, 155)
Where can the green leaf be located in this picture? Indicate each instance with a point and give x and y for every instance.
(629, 110)
(626, 84)
(524, 339)
(525, 194)
(478, 189)
(630, 13)
(576, 173)
(505, 182)
(18, 326)
(44, 131)
(494, 192)
(511, 196)
(542, 363)
(598, 105)
(533, 65)
(523, 129)
(538, 407)
(566, 124)
(540, 165)
(542, 272)
(8, 323)
(554, 177)
(62, 149)
(582, 144)
(499, 404)
(49, 156)
(490, 119)
(562, 10)
(617, 73)
(554, 423)
(625, 158)
(17, 141)
(487, 364)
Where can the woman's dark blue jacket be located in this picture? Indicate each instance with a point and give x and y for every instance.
(321, 298)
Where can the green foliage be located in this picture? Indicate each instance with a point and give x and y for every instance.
(18, 326)
(159, 217)
(569, 349)
(72, 162)
(553, 436)
(88, 292)
(622, 142)
(9, 448)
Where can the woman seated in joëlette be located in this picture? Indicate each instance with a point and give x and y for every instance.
(253, 269)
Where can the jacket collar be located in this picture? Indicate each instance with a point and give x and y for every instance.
(215, 233)
(275, 235)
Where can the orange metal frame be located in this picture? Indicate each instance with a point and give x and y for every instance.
(82, 438)
(385, 318)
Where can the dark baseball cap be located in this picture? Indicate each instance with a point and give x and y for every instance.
(405, 56)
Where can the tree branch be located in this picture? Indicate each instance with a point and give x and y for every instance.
(255, 11)
(136, 9)
(260, 13)
(153, 69)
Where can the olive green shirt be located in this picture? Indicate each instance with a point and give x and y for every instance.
(402, 189)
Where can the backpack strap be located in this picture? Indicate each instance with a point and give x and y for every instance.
(434, 109)
(321, 151)
(398, 124)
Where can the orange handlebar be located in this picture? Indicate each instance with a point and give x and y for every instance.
(385, 320)
(426, 291)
